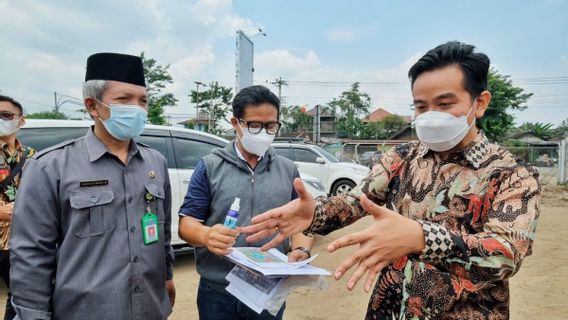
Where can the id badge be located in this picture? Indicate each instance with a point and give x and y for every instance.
(150, 228)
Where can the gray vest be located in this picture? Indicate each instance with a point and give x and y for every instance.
(270, 185)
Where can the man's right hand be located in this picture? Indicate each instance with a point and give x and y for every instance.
(287, 220)
(6, 211)
(219, 239)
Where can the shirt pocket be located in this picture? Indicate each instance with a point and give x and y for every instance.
(92, 212)
(156, 201)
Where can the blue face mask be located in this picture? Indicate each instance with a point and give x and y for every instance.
(125, 121)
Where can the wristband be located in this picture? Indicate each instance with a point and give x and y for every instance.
(303, 249)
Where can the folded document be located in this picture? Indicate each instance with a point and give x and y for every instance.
(263, 280)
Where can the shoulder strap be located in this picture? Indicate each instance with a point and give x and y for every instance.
(15, 171)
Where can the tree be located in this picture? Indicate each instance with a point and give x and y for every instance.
(497, 120)
(351, 104)
(157, 77)
(47, 115)
(541, 130)
(215, 102)
(295, 118)
(392, 124)
(562, 130)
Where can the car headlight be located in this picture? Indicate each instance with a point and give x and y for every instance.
(315, 184)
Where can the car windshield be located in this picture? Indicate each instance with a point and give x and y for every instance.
(326, 154)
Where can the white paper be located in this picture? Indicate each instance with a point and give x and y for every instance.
(260, 279)
(273, 262)
(252, 289)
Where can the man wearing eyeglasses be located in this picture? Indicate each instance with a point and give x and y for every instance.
(248, 169)
(13, 155)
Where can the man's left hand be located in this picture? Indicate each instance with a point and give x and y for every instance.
(170, 287)
(390, 237)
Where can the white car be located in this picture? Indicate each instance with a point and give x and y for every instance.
(337, 177)
(182, 148)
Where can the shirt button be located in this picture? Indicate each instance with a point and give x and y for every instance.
(130, 200)
(136, 289)
(135, 259)
(132, 229)
(94, 199)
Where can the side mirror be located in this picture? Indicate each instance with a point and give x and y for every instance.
(320, 160)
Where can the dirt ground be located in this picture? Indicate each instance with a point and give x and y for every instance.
(538, 290)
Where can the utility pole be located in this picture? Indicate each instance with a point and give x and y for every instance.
(279, 82)
(317, 126)
(198, 83)
(211, 108)
(55, 102)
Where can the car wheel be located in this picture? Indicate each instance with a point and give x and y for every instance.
(342, 187)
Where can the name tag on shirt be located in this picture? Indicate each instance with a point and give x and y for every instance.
(150, 228)
(94, 183)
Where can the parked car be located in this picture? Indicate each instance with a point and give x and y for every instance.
(370, 158)
(182, 148)
(337, 177)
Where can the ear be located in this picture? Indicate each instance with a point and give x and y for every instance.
(90, 106)
(235, 123)
(482, 103)
(22, 121)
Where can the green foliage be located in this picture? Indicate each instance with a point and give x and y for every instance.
(157, 77)
(216, 101)
(350, 105)
(383, 129)
(497, 120)
(350, 127)
(393, 124)
(47, 115)
(562, 130)
(541, 130)
(294, 119)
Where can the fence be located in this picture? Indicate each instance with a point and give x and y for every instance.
(544, 158)
(551, 160)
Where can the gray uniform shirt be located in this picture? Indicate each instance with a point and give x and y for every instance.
(77, 248)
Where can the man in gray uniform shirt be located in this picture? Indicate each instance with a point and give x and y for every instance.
(91, 224)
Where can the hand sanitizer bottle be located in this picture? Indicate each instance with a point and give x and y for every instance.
(233, 215)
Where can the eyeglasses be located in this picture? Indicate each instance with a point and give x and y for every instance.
(255, 127)
(6, 115)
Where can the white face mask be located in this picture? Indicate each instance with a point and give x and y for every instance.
(8, 127)
(256, 143)
(441, 131)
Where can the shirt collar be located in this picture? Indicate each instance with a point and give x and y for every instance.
(4, 145)
(240, 155)
(97, 149)
(476, 152)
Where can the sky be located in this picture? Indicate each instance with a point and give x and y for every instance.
(319, 47)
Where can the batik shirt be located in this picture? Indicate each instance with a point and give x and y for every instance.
(7, 162)
(478, 209)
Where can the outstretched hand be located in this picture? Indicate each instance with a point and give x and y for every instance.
(287, 220)
(390, 237)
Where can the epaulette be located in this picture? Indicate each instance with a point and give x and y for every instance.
(55, 147)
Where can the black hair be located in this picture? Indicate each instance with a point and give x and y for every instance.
(474, 65)
(254, 96)
(13, 102)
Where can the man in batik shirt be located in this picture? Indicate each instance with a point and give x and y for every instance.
(458, 213)
(12, 158)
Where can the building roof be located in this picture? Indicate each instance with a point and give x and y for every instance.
(376, 115)
(324, 111)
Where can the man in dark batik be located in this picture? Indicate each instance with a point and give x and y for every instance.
(459, 214)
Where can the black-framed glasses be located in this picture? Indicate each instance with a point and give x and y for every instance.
(255, 127)
(7, 115)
